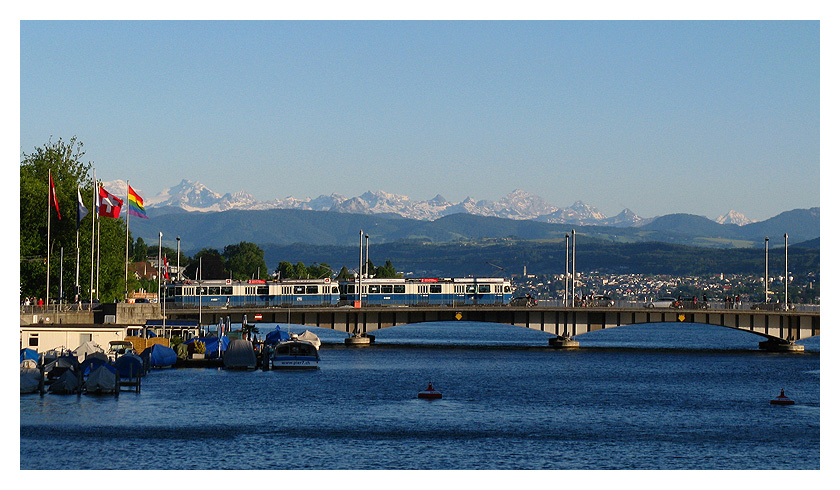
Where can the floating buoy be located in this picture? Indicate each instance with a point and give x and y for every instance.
(429, 393)
(781, 400)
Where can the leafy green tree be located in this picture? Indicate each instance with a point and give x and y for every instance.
(140, 250)
(212, 265)
(63, 159)
(387, 271)
(285, 270)
(344, 274)
(319, 271)
(245, 260)
(300, 271)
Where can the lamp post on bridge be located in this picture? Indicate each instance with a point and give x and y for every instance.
(566, 276)
(356, 339)
(786, 271)
(574, 276)
(766, 270)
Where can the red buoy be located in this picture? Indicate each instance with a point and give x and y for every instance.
(429, 393)
(781, 400)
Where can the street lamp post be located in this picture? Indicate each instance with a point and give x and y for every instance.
(367, 255)
(766, 270)
(566, 276)
(361, 237)
(178, 240)
(574, 277)
(786, 271)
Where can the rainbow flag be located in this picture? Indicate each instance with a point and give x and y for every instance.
(135, 204)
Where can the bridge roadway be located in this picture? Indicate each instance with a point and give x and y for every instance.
(781, 329)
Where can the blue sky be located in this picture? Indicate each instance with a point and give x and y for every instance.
(659, 117)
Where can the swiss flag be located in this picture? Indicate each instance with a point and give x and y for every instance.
(109, 204)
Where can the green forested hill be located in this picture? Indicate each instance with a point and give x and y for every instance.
(288, 226)
(548, 257)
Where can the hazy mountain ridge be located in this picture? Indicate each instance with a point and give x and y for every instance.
(518, 205)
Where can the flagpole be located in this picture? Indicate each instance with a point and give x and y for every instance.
(93, 233)
(49, 214)
(98, 236)
(160, 246)
(125, 291)
(78, 223)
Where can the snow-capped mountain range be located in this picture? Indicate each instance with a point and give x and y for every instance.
(194, 196)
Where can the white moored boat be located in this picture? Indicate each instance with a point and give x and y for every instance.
(295, 354)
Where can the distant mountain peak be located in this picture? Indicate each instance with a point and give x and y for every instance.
(733, 218)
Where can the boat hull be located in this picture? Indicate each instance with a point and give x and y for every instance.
(294, 363)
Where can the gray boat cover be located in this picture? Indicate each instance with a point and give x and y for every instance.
(86, 348)
(29, 379)
(311, 338)
(240, 354)
(101, 380)
(65, 384)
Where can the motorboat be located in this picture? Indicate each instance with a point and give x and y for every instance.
(293, 354)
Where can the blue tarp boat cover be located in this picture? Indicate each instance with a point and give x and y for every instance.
(160, 355)
(276, 335)
(129, 365)
(28, 354)
(211, 345)
(92, 362)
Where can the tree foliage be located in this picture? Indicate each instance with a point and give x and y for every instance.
(245, 260)
(63, 159)
(206, 264)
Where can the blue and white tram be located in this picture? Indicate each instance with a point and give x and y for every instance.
(459, 291)
(226, 292)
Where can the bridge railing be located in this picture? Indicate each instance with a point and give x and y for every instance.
(712, 305)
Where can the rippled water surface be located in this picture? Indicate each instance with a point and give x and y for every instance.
(667, 396)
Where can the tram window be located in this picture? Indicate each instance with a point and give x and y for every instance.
(227, 290)
(311, 289)
(507, 289)
(262, 290)
(373, 288)
(214, 290)
(483, 288)
(351, 289)
(435, 288)
(471, 288)
(387, 289)
(300, 290)
(201, 290)
(335, 289)
(399, 288)
(176, 291)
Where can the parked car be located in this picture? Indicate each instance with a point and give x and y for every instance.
(664, 302)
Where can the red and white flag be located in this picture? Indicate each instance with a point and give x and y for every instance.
(53, 197)
(165, 268)
(109, 204)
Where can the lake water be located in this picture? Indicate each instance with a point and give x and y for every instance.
(664, 396)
